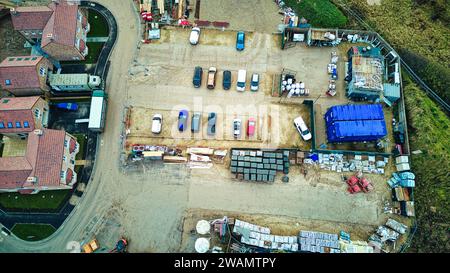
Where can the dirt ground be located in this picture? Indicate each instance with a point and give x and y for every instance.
(252, 15)
(279, 225)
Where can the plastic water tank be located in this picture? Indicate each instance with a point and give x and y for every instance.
(202, 245)
(203, 227)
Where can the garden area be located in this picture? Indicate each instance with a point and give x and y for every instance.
(32, 232)
(44, 200)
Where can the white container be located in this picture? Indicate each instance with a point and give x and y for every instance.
(289, 81)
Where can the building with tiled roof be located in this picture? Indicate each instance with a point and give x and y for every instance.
(62, 36)
(30, 21)
(25, 75)
(48, 164)
(21, 115)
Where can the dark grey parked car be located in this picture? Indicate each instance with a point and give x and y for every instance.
(197, 80)
(212, 123)
(226, 83)
(195, 123)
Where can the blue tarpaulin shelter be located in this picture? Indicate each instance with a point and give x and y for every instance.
(354, 131)
(354, 112)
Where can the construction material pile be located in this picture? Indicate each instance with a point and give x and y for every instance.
(312, 241)
(357, 183)
(388, 233)
(294, 88)
(332, 71)
(256, 165)
(259, 236)
(348, 163)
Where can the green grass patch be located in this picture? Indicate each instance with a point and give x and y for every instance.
(44, 200)
(32, 232)
(99, 26)
(94, 50)
(319, 13)
(429, 131)
(81, 139)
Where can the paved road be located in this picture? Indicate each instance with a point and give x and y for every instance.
(86, 214)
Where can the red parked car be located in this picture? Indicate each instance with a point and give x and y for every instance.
(251, 127)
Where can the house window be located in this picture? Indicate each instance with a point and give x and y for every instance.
(65, 143)
(11, 59)
(72, 162)
(64, 158)
(18, 125)
(7, 82)
(34, 58)
(26, 125)
(19, 59)
(10, 125)
(62, 174)
(37, 113)
(27, 58)
(42, 70)
(2, 125)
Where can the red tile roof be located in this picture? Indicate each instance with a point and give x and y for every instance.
(31, 18)
(18, 103)
(69, 176)
(62, 25)
(49, 157)
(72, 145)
(43, 159)
(21, 73)
(82, 45)
(17, 109)
(14, 171)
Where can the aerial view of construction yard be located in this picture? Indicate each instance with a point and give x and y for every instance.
(199, 127)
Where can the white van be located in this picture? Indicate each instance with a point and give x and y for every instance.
(242, 75)
(302, 129)
(156, 124)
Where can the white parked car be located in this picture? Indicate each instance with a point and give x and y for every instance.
(240, 85)
(157, 124)
(195, 35)
(254, 83)
(302, 129)
(236, 127)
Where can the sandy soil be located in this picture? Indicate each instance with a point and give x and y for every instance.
(252, 15)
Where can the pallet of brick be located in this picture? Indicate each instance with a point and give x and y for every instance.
(233, 169)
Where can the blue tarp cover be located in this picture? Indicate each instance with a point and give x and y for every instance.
(354, 112)
(350, 131)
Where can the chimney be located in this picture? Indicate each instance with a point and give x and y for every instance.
(38, 132)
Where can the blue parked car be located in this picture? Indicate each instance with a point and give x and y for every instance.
(67, 106)
(240, 40)
(182, 120)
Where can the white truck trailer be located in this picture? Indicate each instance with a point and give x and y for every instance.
(73, 82)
